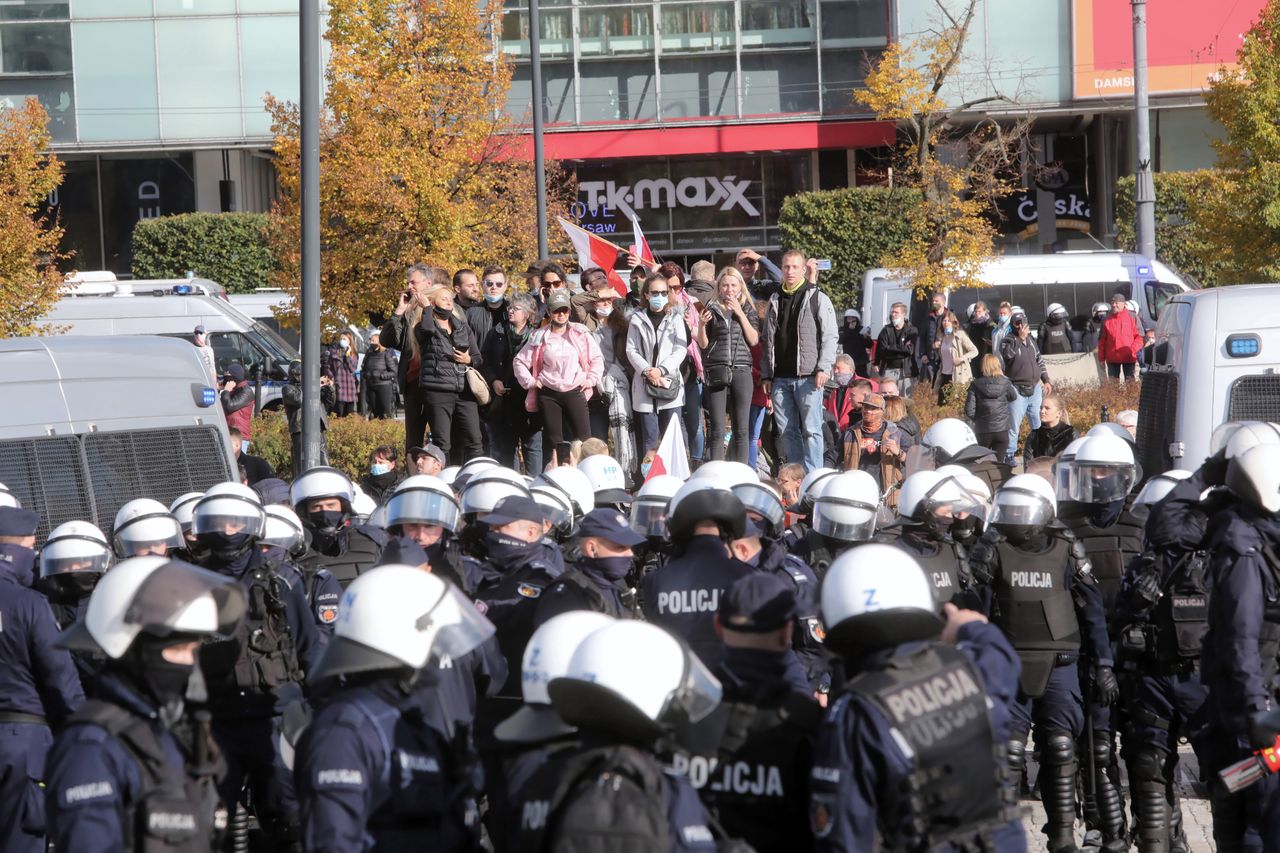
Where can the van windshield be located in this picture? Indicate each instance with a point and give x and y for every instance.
(275, 346)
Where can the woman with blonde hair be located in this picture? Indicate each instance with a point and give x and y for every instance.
(446, 348)
(397, 334)
(729, 329)
(987, 406)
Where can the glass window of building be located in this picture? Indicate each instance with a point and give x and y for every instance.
(187, 8)
(557, 93)
(555, 29)
(782, 24)
(696, 27)
(35, 47)
(779, 82)
(843, 73)
(269, 63)
(199, 78)
(852, 23)
(82, 9)
(117, 98)
(617, 90)
(616, 30)
(34, 10)
(694, 87)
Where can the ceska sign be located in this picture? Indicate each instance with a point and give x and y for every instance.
(725, 193)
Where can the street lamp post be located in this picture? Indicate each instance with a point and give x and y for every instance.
(309, 108)
(1144, 192)
(539, 165)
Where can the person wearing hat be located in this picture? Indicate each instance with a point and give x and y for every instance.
(427, 460)
(761, 274)
(855, 341)
(237, 402)
(876, 445)
(39, 687)
(597, 580)
(201, 341)
(766, 721)
(560, 366)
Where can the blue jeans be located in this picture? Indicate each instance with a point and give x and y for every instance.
(692, 416)
(757, 426)
(653, 425)
(1028, 406)
(797, 420)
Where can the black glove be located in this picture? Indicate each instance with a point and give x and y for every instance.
(1107, 689)
(1146, 591)
(1264, 728)
(1214, 469)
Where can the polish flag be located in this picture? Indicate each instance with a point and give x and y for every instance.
(673, 454)
(642, 245)
(595, 251)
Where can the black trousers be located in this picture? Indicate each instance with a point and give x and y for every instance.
(415, 419)
(997, 441)
(452, 414)
(382, 400)
(735, 399)
(343, 408)
(564, 418)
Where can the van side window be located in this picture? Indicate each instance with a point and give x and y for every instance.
(233, 347)
(1158, 294)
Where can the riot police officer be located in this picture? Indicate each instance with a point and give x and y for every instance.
(750, 758)
(39, 687)
(684, 594)
(284, 540)
(1096, 508)
(597, 579)
(324, 499)
(798, 531)
(1239, 658)
(251, 673)
(482, 492)
(649, 519)
(143, 527)
(929, 504)
(843, 514)
(608, 482)
(1045, 600)
(134, 770)
(911, 754)
(181, 509)
(611, 790)
(1160, 622)
(423, 509)
(380, 766)
(71, 562)
(952, 442)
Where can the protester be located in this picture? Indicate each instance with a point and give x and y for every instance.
(876, 445)
(517, 430)
(237, 402)
(201, 341)
(987, 406)
(896, 350)
(930, 342)
(380, 368)
(855, 342)
(1120, 341)
(726, 335)
(384, 473)
(1025, 368)
(340, 366)
(398, 334)
(845, 392)
(256, 468)
(980, 329)
(427, 460)
(684, 305)
(954, 353)
(447, 349)
(1055, 431)
(657, 345)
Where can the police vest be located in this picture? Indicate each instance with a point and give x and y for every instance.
(1269, 636)
(1109, 548)
(959, 788)
(246, 670)
(945, 564)
(1181, 616)
(594, 598)
(176, 808)
(1035, 609)
(749, 766)
(808, 637)
(817, 551)
(364, 547)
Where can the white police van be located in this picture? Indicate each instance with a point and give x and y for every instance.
(97, 304)
(89, 423)
(1076, 280)
(1218, 359)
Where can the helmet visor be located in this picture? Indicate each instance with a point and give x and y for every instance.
(281, 534)
(141, 533)
(844, 519)
(649, 517)
(700, 693)
(180, 597)
(555, 511)
(423, 506)
(1019, 508)
(56, 561)
(759, 499)
(460, 628)
(949, 499)
(1099, 484)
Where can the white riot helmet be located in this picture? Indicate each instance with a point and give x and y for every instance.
(1251, 435)
(608, 686)
(852, 312)
(377, 518)
(182, 508)
(947, 437)
(448, 475)
(423, 499)
(1057, 312)
(556, 509)
(476, 465)
(810, 486)
(142, 526)
(282, 529)
(1222, 434)
(8, 498)
(846, 506)
(1159, 487)
(1131, 305)
(876, 596)
(1102, 470)
(396, 617)
(1024, 506)
(486, 489)
(608, 482)
(649, 509)
(937, 499)
(969, 480)
(1062, 469)
(1100, 308)
(547, 656)
(576, 487)
(725, 473)
(1254, 477)
(1110, 428)
(762, 500)
(362, 506)
(228, 509)
(75, 548)
(156, 596)
(322, 482)
(704, 500)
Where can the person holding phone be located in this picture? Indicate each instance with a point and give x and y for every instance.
(447, 349)
(729, 329)
(657, 345)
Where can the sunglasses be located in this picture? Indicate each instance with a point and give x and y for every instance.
(657, 292)
(677, 287)
(559, 310)
(552, 283)
(494, 283)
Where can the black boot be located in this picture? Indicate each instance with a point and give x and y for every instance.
(1058, 790)
(1109, 803)
(1151, 808)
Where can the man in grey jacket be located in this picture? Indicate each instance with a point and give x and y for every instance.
(800, 334)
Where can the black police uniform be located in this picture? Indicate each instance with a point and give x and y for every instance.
(945, 563)
(39, 687)
(807, 639)
(349, 553)
(583, 586)
(120, 778)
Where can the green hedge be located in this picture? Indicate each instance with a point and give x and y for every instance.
(349, 441)
(1179, 241)
(230, 248)
(855, 228)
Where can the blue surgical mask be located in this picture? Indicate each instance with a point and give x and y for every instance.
(378, 468)
(644, 468)
(658, 301)
(493, 298)
(946, 329)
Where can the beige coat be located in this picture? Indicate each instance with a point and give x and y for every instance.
(962, 351)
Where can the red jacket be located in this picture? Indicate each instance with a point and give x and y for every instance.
(844, 414)
(1121, 339)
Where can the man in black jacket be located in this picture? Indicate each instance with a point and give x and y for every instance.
(1025, 368)
(488, 320)
(896, 349)
(380, 369)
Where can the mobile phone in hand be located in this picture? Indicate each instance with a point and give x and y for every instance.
(824, 265)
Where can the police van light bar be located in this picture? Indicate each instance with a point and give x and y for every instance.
(1143, 270)
(204, 395)
(183, 290)
(1243, 346)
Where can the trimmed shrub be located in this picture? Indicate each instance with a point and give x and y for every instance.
(230, 248)
(855, 228)
(1179, 239)
(349, 440)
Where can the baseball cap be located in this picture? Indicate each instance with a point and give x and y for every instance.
(430, 450)
(611, 525)
(875, 400)
(401, 550)
(514, 508)
(18, 522)
(757, 603)
(236, 372)
(199, 330)
(558, 299)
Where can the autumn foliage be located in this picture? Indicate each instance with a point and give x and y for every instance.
(418, 160)
(29, 232)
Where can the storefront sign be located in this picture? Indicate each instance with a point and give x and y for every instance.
(721, 193)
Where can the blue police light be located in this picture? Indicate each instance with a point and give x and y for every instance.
(1144, 270)
(1244, 345)
(208, 396)
(183, 290)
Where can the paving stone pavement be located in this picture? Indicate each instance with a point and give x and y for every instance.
(1197, 821)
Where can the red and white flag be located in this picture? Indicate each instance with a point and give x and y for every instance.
(595, 251)
(673, 453)
(642, 245)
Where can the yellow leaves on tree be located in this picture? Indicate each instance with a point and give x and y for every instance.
(29, 233)
(418, 161)
(962, 167)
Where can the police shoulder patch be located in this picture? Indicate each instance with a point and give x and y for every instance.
(327, 613)
(822, 814)
(528, 590)
(482, 607)
(816, 630)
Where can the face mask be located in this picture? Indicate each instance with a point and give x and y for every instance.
(964, 529)
(981, 318)
(658, 301)
(326, 521)
(897, 322)
(344, 343)
(493, 298)
(1004, 321)
(442, 313)
(610, 568)
(19, 562)
(604, 310)
(644, 468)
(165, 681)
(224, 548)
(843, 379)
(68, 586)
(506, 550)
(946, 330)
(377, 469)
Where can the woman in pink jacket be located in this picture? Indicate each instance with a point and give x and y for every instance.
(561, 366)
(1120, 341)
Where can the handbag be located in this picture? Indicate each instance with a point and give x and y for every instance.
(478, 387)
(717, 376)
(674, 385)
